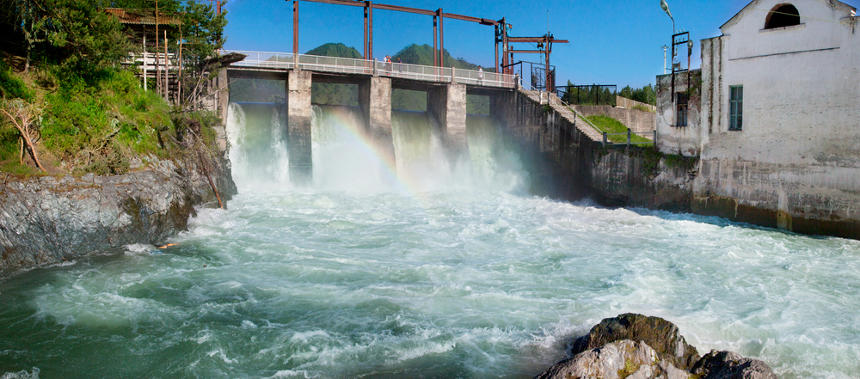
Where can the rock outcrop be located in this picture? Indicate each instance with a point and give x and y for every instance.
(51, 219)
(622, 359)
(729, 365)
(661, 335)
(642, 347)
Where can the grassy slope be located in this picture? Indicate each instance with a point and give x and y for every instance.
(100, 122)
(610, 125)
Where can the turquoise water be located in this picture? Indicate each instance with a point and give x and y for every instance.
(371, 277)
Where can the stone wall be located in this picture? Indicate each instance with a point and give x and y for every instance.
(630, 104)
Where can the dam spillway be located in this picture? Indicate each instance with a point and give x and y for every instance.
(442, 271)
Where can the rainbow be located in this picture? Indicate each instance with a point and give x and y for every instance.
(360, 137)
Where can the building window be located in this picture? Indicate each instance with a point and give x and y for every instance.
(681, 112)
(736, 107)
(782, 15)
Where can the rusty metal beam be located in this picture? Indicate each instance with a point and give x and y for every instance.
(295, 27)
(482, 21)
(526, 51)
(370, 31)
(403, 9)
(441, 39)
(354, 3)
(435, 40)
(365, 32)
(536, 39)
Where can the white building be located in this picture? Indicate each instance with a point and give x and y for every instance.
(778, 121)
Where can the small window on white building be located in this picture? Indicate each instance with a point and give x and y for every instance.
(682, 100)
(736, 107)
(782, 15)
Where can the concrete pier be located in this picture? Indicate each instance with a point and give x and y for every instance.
(375, 100)
(448, 105)
(299, 118)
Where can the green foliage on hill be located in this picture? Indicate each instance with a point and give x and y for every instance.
(646, 94)
(99, 125)
(83, 109)
(335, 50)
(11, 86)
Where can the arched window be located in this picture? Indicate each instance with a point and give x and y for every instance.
(782, 15)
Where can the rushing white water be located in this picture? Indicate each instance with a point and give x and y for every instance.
(371, 278)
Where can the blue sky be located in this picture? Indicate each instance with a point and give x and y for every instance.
(611, 41)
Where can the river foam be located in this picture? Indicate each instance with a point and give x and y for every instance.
(461, 281)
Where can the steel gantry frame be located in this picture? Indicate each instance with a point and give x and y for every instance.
(438, 24)
(544, 47)
(501, 28)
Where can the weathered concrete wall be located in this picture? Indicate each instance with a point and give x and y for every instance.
(800, 198)
(448, 105)
(640, 177)
(629, 103)
(672, 139)
(375, 101)
(638, 121)
(299, 126)
(555, 151)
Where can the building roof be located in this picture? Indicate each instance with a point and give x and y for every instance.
(142, 17)
(753, 3)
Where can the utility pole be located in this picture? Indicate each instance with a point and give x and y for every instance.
(664, 58)
(157, 54)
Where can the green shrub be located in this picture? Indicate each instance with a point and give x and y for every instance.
(98, 122)
(11, 86)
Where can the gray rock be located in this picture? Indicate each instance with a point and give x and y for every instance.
(45, 221)
(616, 360)
(729, 365)
(661, 335)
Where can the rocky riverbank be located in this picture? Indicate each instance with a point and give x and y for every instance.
(641, 347)
(52, 219)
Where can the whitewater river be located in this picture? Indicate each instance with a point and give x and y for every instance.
(441, 271)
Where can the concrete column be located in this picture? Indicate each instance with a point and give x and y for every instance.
(299, 115)
(448, 105)
(374, 97)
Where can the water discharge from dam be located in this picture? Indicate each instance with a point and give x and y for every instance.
(425, 268)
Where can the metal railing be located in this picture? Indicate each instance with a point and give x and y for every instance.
(264, 59)
(592, 94)
(287, 61)
(630, 134)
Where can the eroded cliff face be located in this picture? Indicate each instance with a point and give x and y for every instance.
(49, 220)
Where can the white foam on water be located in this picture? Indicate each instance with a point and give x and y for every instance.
(359, 276)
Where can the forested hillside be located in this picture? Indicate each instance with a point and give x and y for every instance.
(69, 103)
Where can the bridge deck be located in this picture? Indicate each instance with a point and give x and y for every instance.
(287, 61)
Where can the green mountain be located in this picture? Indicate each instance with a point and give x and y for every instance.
(423, 55)
(335, 50)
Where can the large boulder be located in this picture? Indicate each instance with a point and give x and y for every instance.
(729, 365)
(617, 360)
(661, 335)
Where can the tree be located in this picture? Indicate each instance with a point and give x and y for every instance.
(23, 117)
